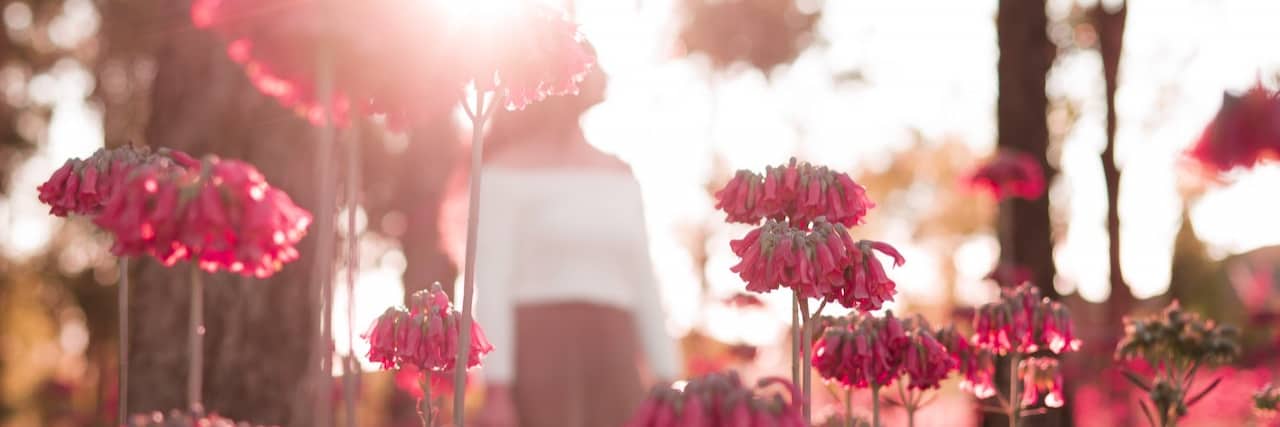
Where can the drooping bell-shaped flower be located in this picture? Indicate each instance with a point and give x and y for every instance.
(1040, 376)
(797, 193)
(1244, 133)
(1009, 174)
(144, 214)
(423, 335)
(868, 287)
(975, 364)
(82, 187)
(720, 399)
(925, 360)
(1024, 322)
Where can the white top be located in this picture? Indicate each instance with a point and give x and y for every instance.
(549, 236)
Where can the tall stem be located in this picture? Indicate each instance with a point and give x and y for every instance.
(1015, 395)
(322, 269)
(806, 350)
(122, 380)
(424, 406)
(479, 115)
(875, 405)
(908, 402)
(848, 407)
(795, 338)
(350, 369)
(195, 339)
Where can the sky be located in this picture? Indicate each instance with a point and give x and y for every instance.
(929, 66)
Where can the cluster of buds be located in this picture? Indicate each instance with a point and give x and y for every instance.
(1040, 376)
(866, 351)
(1024, 322)
(1009, 174)
(976, 365)
(525, 53)
(222, 215)
(1266, 401)
(823, 262)
(1245, 132)
(720, 400)
(423, 335)
(1178, 337)
(175, 418)
(796, 192)
(81, 187)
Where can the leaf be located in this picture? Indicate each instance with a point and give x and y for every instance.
(1204, 392)
(1136, 380)
(1147, 411)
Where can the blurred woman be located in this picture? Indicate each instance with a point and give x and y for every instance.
(565, 286)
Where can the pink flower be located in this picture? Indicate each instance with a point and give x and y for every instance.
(1040, 376)
(975, 364)
(1023, 321)
(1244, 133)
(423, 335)
(82, 187)
(534, 53)
(868, 287)
(143, 214)
(1009, 174)
(720, 400)
(798, 193)
(926, 362)
(866, 351)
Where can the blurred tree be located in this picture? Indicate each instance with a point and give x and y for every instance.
(762, 34)
(1026, 55)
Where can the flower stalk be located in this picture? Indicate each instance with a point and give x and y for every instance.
(479, 115)
(122, 380)
(195, 339)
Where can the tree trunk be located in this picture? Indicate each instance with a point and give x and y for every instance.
(428, 164)
(259, 332)
(1109, 25)
(1026, 55)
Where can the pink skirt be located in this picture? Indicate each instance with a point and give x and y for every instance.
(576, 365)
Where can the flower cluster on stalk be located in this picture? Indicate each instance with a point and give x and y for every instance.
(720, 400)
(423, 335)
(221, 214)
(1244, 133)
(804, 244)
(1009, 174)
(525, 53)
(1178, 337)
(1176, 343)
(1025, 322)
(975, 365)
(864, 351)
(82, 187)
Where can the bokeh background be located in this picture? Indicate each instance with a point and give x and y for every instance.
(907, 95)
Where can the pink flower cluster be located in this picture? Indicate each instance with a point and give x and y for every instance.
(1009, 174)
(1245, 132)
(975, 364)
(81, 187)
(223, 215)
(1040, 376)
(720, 400)
(821, 262)
(529, 52)
(867, 351)
(423, 335)
(1024, 322)
(796, 192)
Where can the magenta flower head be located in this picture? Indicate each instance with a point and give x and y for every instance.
(865, 351)
(1244, 133)
(1040, 376)
(798, 193)
(975, 364)
(1024, 322)
(423, 335)
(1009, 174)
(531, 52)
(144, 213)
(821, 262)
(926, 361)
(720, 399)
(82, 187)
